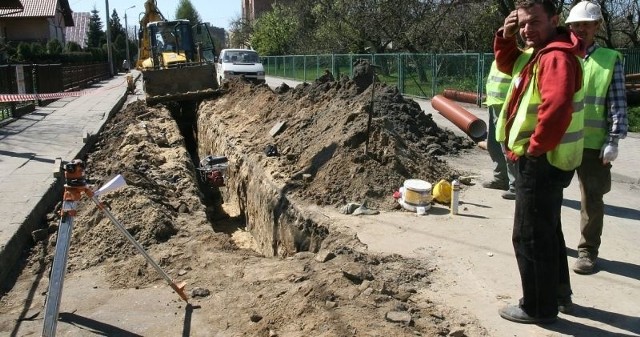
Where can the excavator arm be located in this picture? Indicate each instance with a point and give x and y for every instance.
(170, 59)
(151, 14)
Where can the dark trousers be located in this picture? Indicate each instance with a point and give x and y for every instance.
(595, 182)
(537, 235)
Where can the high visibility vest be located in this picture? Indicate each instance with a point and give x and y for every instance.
(520, 63)
(598, 72)
(497, 86)
(567, 155)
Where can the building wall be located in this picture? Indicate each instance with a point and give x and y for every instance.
(251, 9)
(26, 29)
(33, 29)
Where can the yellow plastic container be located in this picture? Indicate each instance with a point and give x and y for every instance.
(442, 192)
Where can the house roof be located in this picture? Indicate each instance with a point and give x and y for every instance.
(11, 4)
(78, 33)
(40, 8)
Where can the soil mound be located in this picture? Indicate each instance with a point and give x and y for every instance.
(340, 142)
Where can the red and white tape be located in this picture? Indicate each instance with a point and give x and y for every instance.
(33, 97)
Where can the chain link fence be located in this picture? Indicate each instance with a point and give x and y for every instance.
(419, 75)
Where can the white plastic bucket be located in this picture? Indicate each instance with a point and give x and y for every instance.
(416, 193)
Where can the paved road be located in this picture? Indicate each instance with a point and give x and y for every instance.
(473, 261)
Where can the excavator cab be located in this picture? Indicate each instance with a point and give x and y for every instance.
(175, 69)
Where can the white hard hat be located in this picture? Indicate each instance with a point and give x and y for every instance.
(584, 11)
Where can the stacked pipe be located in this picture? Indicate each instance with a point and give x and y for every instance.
(461, 96)
(473, 126)
(632, 83)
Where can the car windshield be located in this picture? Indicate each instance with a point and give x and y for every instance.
(241, 56)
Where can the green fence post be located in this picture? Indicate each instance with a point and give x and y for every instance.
(333, 64)
(399, 69)
(434, 74)
(479, 81)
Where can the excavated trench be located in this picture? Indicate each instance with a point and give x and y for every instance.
(326, 143)
(278, 226)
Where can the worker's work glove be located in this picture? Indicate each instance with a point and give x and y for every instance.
(609, 151)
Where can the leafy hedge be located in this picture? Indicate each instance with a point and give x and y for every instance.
(51, 52)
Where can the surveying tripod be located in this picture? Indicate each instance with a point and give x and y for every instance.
(75, 186)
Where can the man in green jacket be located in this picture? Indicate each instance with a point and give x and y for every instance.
(605, 122)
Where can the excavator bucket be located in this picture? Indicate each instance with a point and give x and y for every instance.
(186, 83)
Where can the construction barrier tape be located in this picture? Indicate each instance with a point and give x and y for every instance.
(34, 97)
(54, 95)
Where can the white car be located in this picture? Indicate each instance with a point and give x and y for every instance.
(239, 62)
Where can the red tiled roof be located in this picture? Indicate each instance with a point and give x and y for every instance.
(34, 8)
(40, 8)
(78, 33)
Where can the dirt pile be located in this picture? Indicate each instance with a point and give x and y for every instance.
(341, 291)
(321, 147)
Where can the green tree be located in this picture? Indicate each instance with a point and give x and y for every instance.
(240, 35)
(23, 52)
(275, 32)
(72, 47)
(186, 10)
(115, 29)
(54, 47)
(95, 35)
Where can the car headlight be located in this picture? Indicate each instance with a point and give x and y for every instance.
(260, 73)
(228, 72)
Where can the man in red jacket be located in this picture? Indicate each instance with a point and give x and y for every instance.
(541, 128)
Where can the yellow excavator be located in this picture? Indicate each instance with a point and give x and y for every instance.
(176, 59)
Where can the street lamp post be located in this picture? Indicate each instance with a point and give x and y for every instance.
(126, 29)
(106, 3)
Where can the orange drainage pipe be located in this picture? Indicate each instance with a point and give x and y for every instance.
(461, 96)
(473, 126)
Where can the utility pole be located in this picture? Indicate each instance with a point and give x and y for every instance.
(106, 3)
(126, 29)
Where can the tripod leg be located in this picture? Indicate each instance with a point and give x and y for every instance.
(56, 279)
(178, 288)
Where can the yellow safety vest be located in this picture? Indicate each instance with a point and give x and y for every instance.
(520, 63)
(568, 154)
(497, 86)
(598, 72)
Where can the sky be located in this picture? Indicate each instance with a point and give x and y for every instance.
(219, 13)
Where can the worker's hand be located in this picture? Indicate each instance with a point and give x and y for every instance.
(609, 151)
(510, 27)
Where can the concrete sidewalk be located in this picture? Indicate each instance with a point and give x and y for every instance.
(29, 146)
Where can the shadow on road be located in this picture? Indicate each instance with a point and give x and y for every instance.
(622, 322)
(188, 313)
(621, 268)
(610, 210)
(95, 327)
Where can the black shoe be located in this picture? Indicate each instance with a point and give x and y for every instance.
(565, 305)
(515, 314)
(496, 185)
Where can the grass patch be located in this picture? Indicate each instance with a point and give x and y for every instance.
(634, 118)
